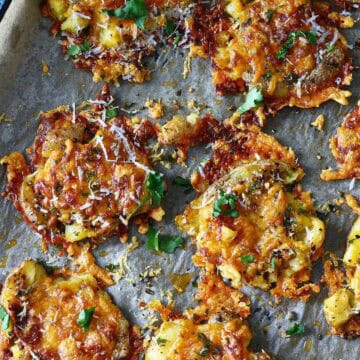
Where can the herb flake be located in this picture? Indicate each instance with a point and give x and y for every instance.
(85, 317)
(253, 99)
(246, 259)
(74, 50)
(133, 10)
(185, 183)
(228, 200)
(163, 243)
(5, 318)
(308, 35)
(155, 183)
(295, 329)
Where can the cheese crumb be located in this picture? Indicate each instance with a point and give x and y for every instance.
(319, 122)
(156, 109)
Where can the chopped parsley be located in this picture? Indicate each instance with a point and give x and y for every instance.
(295, 329)
(185, 183)
(253, 99)
(268, 76)
(169, 27)
(308, 35)
(163, 243)
(330, 48)
(246, 259)
(112, 112)
(133, 10)
(176, 40)
(272, 263)
(5, 318)
(74, 50)
(161, 342)
(112, 267)
(269, 15)
(85, 317)
(228, 200)
(155, 183)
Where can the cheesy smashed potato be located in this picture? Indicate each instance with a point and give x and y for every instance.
(61, 315)
(345, 146)
(342, 307)
(256, 226)
(89, 174)
(290, 50)
(111, 38)
(214, 330)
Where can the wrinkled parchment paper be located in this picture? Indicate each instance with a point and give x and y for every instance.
(25, 90)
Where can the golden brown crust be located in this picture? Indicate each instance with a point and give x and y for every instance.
(114, 48)
(87, 175)
(345, 147)
(44, 311)
(274, 235)
(246, 39)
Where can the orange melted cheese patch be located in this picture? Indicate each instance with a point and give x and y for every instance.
(342, 307)
(216, 329)
(87, 176)
(114, 48)
(44, 311)
(292, 50)
(345, 146)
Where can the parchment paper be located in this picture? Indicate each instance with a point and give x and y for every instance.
(25, 90)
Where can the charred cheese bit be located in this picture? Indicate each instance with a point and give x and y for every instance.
(283, 47)
(255, 230)
(342, 307)
(44, 313)
(90, 176)
(345, 147)
(113, 47)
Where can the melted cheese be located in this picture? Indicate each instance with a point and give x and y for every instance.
(275, 227)
(83, 186)
(244, 51)
(44, 310)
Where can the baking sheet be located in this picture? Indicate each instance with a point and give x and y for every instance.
(25, 90)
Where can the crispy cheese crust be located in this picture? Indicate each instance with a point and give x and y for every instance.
(345, 146)
(265, 43)
(116, 47)
(86, 177)
(44, 310)
(216, 329)
(274, 235)
(342, 307)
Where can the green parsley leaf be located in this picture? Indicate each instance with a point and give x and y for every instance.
(268, 76)
(85, 317)
(176, 40)
(246, 259)
(169, 27)
(253, 98)
(163, 243)
(308, 35)
(272, 263)
(295, 329)
(161, 342)
(330, 48)
(228, 200)
(74, 50)
(112, 267)
(112, 112)
(133, 10)
(185, 183)
(5, 318)
(269, 15)
(155, 183)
